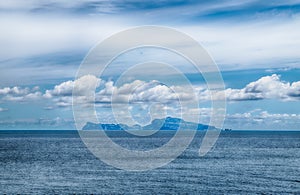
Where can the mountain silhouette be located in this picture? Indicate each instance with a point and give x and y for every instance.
(168, 123)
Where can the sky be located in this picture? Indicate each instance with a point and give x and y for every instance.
(256, 45)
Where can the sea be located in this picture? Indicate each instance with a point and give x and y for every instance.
(241, 162)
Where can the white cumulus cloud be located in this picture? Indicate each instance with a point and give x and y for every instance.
(83, 86)
(141, 91)
(20, 93)
(268, 87)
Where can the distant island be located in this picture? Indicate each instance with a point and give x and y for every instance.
(168, 123)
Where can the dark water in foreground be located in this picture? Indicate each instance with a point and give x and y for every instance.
(241, 163)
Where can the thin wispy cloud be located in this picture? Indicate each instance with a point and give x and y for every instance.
(3, 109)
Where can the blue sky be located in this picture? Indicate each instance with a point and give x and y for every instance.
(256, 45)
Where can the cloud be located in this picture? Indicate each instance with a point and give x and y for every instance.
(3, 109)
(27, 97)
(141, 91)
(39, 123)
(260, 119)
(30, 35)
(14, 91)
(62, 94)
(265, 39)
(59, 6)
(268, 87)
(133, 92)
(20, 94)
(294, 90)
(48, 108)
(83, 86)
(251, 44)
(187, 9)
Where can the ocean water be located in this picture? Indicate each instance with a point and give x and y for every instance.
(242, 162)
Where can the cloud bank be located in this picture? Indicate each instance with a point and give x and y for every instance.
(267, 87)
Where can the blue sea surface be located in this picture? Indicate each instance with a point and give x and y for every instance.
(242, 162)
